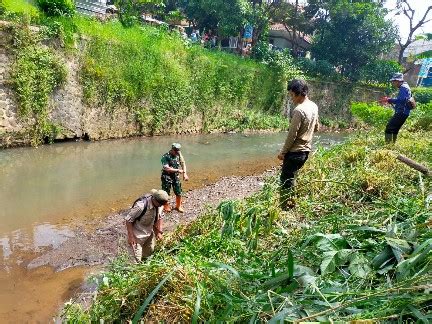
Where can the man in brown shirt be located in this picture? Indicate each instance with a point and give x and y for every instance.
(144, 223)
(295, 152)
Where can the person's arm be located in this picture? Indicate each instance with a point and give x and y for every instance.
(167, 168)
(157, 226)
(183, 165)
(317, 125)
(292, 133)
(131, 217)
(402, 98)
(131, 236)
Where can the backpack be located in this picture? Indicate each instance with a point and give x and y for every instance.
(411, 103)
(145, 197)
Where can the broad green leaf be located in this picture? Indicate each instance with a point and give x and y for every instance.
(197, 306)
(383, 258)
(306, 280)
(359, 266)
(399, 244)
(328, 242)
(328, 264)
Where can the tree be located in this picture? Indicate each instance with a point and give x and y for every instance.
(225, 17)
(130, 10)
(354, 34)
(403, 7)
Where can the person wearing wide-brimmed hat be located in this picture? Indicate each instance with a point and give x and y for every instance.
(400, 105)
(173, 164)
(144, 223)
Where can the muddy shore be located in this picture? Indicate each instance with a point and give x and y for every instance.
(100, 241)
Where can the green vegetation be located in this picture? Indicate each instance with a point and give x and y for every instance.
(11, 8)
(162, 81)
(378, 116)
(154, 73)
(357, 246)
(36, 72)
(423, 95)
(57, 7)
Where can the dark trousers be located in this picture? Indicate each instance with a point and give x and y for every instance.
(395, 123)
(293, 161)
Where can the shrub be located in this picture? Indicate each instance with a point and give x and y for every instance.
(371, 114)
(57, 7)
(35, 74)
(318, 68)
(421, 117)
(423, 95)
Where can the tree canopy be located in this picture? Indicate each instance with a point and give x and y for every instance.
(352, 35)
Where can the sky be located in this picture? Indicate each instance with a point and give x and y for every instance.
(402, 22)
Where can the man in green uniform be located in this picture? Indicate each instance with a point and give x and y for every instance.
(173, 164)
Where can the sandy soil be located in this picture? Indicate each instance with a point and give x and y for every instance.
(100, 241)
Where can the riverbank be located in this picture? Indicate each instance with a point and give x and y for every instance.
(100, 241)
(357, 245)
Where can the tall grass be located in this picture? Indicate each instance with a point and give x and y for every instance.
(163, 80)
(356, 246)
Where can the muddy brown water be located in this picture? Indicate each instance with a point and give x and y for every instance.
(45, 192)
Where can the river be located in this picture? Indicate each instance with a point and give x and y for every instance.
(46, 191)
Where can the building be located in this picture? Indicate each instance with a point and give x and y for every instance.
(91, 7)
(281, 38)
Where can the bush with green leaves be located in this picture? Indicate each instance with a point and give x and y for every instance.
(380, 71)
(57, 7)
(421, 117)
(422, 94)
(318, 68)
(371, 113)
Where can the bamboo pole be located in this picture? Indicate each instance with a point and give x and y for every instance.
(413, 164)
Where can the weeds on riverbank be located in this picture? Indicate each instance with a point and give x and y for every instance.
(376, 115)
(357, 246)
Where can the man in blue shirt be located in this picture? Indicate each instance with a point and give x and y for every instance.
(400, 106)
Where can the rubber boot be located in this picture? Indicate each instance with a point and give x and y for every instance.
(179, 207)
(388, 138)
(167, 208)
(394, 138)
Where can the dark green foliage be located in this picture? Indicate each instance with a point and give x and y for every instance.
(379, 72)
(422, 95)
(318, 68)
(57, 7)
(354, 35)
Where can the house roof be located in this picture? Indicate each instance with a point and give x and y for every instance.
(280, 28)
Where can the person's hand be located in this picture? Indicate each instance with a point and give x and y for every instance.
(383, 100)
(132, 240)
(280, 156)
(185, 177)
(159, 236)
(180, 171)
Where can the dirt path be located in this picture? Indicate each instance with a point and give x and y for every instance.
(100, 241)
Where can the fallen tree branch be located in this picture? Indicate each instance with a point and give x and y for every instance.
(413, 164)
